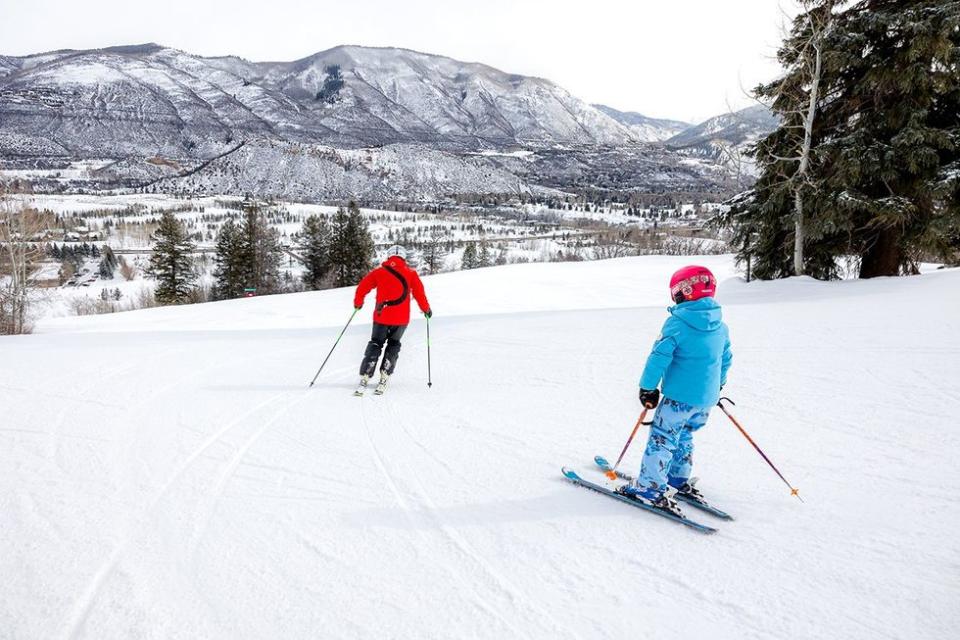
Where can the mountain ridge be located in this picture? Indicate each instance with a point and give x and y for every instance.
(646, 127)
(387, 95)
(134, 104)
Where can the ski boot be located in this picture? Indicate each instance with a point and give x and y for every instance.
(663, 501)
(362, 386)
(687, 489)
(382, 385)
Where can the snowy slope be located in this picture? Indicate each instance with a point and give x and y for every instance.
(166, 473)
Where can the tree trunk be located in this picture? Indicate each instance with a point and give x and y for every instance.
(798, 233)
(801, 175)
(884, 256)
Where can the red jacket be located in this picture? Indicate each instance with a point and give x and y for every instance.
(393, 292)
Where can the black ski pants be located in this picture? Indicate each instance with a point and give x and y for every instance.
(382, 334)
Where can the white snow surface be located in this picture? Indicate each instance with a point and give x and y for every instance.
(167, 474)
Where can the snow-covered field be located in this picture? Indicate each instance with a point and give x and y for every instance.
(167, 474)
(126, 223)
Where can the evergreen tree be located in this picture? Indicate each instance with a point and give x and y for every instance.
(171, 263)
(259, 252)
(228, 272)
(108, 263)
(470, 259)
(884, 164)
(351, 246)
(315, 250)
(483, 256)
(361, 243)
(896, 133)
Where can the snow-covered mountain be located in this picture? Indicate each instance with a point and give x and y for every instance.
(153, 100)
(644, 127)
(308, 173)
(370, 123)
(731, 129)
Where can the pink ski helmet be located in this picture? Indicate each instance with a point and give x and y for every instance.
(692, 283)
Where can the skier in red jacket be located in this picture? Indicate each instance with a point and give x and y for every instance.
(395, 282)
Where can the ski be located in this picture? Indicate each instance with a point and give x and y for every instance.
(576, 479)
(693, 502)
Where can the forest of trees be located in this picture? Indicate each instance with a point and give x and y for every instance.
(335, 253)
(865, 164)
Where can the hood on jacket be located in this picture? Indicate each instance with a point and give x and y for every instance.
(703, 314)
(394, 261)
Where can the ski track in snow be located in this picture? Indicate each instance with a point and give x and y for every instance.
(411, 514)
(82, 606)
(185, 483)
(516, 597)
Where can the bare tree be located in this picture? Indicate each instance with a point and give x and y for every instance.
(815, 67)
(800, 88)
(732, 156)
(21, 249)
(616, 244)
(127, 269)
(433, 251)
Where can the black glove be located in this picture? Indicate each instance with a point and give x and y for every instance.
(650, 398)
(428, 313)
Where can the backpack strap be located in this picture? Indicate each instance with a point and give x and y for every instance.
(403, 296)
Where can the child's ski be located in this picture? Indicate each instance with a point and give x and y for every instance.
(693, 502)
(576, 479)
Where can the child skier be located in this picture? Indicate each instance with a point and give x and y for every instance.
(691, 356)
(394, 282)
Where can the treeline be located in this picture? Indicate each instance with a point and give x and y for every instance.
(72, 257)
(336, 251)
(73, 251)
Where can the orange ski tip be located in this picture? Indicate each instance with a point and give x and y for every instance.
(611, 475)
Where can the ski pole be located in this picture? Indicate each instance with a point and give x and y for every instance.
(612, 474)
(429, 375)
(334, 347)
(793, 492)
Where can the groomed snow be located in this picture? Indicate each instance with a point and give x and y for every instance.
(167, 474)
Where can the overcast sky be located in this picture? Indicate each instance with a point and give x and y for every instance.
(682, 59)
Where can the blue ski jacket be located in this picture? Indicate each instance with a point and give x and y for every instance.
(692, 354)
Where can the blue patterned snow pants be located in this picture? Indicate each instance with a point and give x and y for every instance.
(669, 454)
